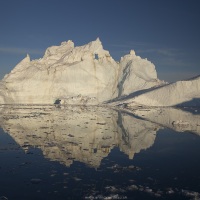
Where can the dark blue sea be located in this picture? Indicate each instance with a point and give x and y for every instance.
(77, 152)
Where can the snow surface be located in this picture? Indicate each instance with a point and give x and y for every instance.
(178, 93)
(76, 75)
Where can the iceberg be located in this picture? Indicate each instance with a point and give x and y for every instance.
(84, 75)
(88, 75)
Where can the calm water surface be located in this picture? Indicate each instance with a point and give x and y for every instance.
(99, 153)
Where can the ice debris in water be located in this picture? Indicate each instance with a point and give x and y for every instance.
(3, 198)
(192, 194)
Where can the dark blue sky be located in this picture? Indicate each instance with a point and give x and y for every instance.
(166, 32)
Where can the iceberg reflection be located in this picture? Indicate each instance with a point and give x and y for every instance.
(87, 134)
(172, 118)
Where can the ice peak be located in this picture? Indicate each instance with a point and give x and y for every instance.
(96, 47)
(96, 43)
(26, 59)
(98, 40)
(21, 66)
(132, 52)
(68, 43)
(56, 50)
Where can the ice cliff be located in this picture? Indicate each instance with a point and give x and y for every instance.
(76, 75)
